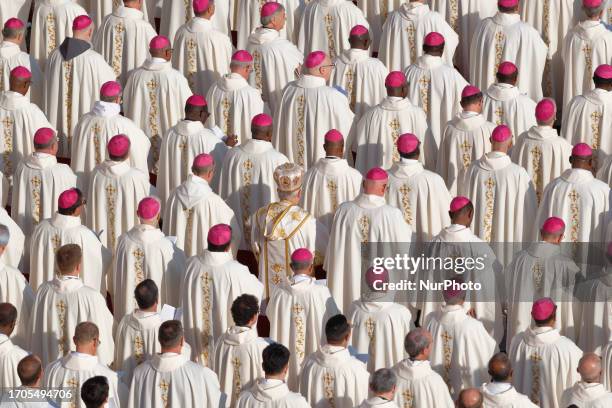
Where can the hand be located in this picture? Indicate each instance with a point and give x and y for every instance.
(298, 71)
(472, 312)
(231, 140)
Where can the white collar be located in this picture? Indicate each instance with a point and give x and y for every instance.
(498, 387)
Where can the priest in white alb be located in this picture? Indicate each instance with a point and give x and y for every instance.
(176, 13)
(64, 227)
(368, 218)
(61, 304)
(308, 109)
(545, 362)
(155, 95)
(362, 77)
(504, 37)
(10, 353)
(499, 392)
(95, 128)
(401, 42)
(309, 304)
(376, 134)
(144, 252)
(589, 391)
(13, 253)
(464, 139)
(420, 194)
(115, 189)
(233, 102)
(540, 150)
(123, 37)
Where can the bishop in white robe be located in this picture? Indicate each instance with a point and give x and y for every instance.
(10, 353)
(176, 13)
(249, 13)
(13, 253)
(589, 391)
(382, 390)
(500, 393)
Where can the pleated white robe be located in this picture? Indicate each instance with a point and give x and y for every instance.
(10, 356)
(270, 394)
(98, 9)
(505, 104)
(13, 254)
(418, 385)
(377, 12)
(201, 53)
(298, 310)
(509, 398)
(308, 110)
(401, 41)
(504, 37)
(4, 190)
(11, 57)
(592, 395)
(17, 8)
(176, 13)
(593, 308)
(605, 171)
(606, 361)
(248, 20)
(14, 289)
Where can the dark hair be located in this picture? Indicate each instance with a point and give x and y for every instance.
(8, 314)
(500, 367)
(191, 109)
(602, 81)
(413, 155)
(68, 257)
(170, 333)
(146, 294)
(244, 308)
(506, 9)
(506, 78)
(29, 369)
(70, 210)
(337, 328)
(433, 48)
(119, 158)
(94, 391)
(466, 208)
(468, 100)
(275, 358)
(218, 248)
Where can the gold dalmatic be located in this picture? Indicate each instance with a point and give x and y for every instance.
(7, 133)
(117, 62)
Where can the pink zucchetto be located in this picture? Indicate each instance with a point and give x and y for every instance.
(553, 225)
(220, 234)
(203, 160)
(377, 174)
(44, 136)
(359, 30)
(395, 79)
(604, 71)
(269, 8)
(582, 150)
(376, 274)
(81, 22)
(242, 56)
(314, 59)
(159, 42)
(334, 136)
(407, 143)
(545, 110)
(302, 255)
(110, 89)
(507, 68)
(592, 3)
(470, 90)
(501, 134)
(148, 208)
(200, 6)
(14, 24)
(261, 120)
(197, 100)
(21, 73)
(118, 146)
(543, 309)
(458, 203)
(507, 3)
(433, 39)
(68, 198)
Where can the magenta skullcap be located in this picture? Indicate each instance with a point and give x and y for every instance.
(159, 42)
(507, 3)
(395, 79)
(377, 174)
(81, 22)
(592, 3)
(359, 30)
(543, 309)
(470, 90)
(196, 100)
(269, 8)
(314, 59)
(200, 6)
(302, 255)
(501, 133)
(242, 56)
(68, 198)
(21, 73)
(553, 225)
(453, 291)
(44, 136)
(507, 68)
(545, 110)
(220, 234)
(203, 160)
(407, 143)
(376, 274)
(458, 203)
(433, 39)
(118, 146)
(604, 71)
(110, 89)
(334, 136)
(148, 208)
(582, 150)
(14, 24)
(261, 120)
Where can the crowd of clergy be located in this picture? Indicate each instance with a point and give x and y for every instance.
(189, 190)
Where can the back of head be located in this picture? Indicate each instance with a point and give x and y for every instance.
(337, 329)
(383, 381)
(593, 9)
(5, 235)
(67, 258)
(170, 334)
(244, 308)
(275, 358)
(146, 294)
(94, 391)
(13, 29)
(590, 368)
(8, 316)
(500, 368)
(29, 370)
(85, 333)
(417, 341)
(470, 398)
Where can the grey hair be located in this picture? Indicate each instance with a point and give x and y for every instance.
(268, 19)
(5, 235)
(594, 11)
(240, 64)
(382, 381)
(11, 33)
(416, 341)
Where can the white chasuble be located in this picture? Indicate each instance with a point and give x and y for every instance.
(419, 386)
(60, 230)
(201, 53)
(144, 252)
(275, 63)
(249, 20)
(91, 136)
(504, 37)
(73, 370)
(605, 171)
(115, 189)
(327, 184)
(367, 219)
(504, 395)
(154, 98)
(332, 377)
(326, 24)
(18, 8)
(10, 356)
(212, 282)
(504, 104)
(14, 289)
(179, 148)
(588, 395)
(593, 310)
(586, 46)
(543, 154)
(175, 13)
(436, 88)
(544, 364)
(247, 181)
(190, 212)
(378, 402)
(232, 103)
(401, 41)
(13, 253)
(362, 77)
(422, 197)
(377, 132)
(123, 40)
(270, 394)
(298, 310)
(60, 305)
(606, 361)
(237, 360)
(461, 348)
(465, 139)
(377, 12)
(277, 230)
(11, 57)
(307, 111)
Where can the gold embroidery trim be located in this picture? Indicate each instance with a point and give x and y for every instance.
(152, 119)
(236, 378)
(188, 231)
(187, 5)
(412, 41)
(111, 194)
(73, 383)
(138, 344)
(328, 388)
(424, 91)
(454, 15)
(350, 87)
(61, 317)
(332, 187)
(407, 399)
(226, 105)
(447, 355)
(329, 29)
(404, 191)
(546, 38)
(56, 241)
(192, 66)
(164, 386)
(247, 180)
(538, 275)
(68, 100)
(36, 183)
(300, 130)
(258, 70)
(364, 228)
(537, 175)
(489, 208)
(395, 134)
(574, 215)
(300, 331)
(139, 265)
(499, 116)
(500, 38)
(8, 145)
(96, 129)
(596, 137)
(588, 60)
(370, 326)
(119, 29)
(51, 34)
(535, 378)
(206, 281)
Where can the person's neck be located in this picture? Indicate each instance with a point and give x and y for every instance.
(86, 350)
(270, 27)
(465, 223)
(45, 151)
(205, 16)
(280, 377)
(132, 5)
(338, 344)
(420, 357)
(334, 153)
(240, 73)
(500, 150)
(150, 309)
(387, 396)
(581, 167)
(19, 91)
(74, 274)
(176, 349)
(14, 41)
(6, 331)
(150, 223)
(81, 37)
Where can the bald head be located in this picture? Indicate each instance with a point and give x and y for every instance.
(470, 398)
(19, 85)
(500, 368)
(589, 368)
(85, 333)
(335, 149)
(8, 317)
(30, 370)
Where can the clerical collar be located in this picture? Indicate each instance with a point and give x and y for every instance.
(395, 98)
(300, 278)
(156, 60)
(465, 114)
(498, 387)
(408, 161)
(272, 381)
(416, 363)
(78, 354)
(169, 354)
(332, 157)
(504, 85)
(68, 277)
(106, 109)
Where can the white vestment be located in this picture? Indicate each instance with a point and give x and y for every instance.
(212, 282)
(247, 181)
(504, 37)
(201, 53)
(60, 305)
(10, 356)
(377, 12)
(367, 219)
(362, 77)
(190, 212)
(504, 395)
(298, 310)
(17, 8)
(505, 104)
(418, 385)
(307, 111)
(593, 311)
(587, 395)
(332, 377)
(327, 184)
(115, 189)
(13, 253)
(248, 19)
(11, 57)
(605, 171)
(606, 361)
(14, 289)
(175, 13)
(544, 364)
(270, 394)
(401, 42)
(378, 402)
(123, 40)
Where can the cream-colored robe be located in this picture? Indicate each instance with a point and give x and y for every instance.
(588, 395)
(11, 57)
(14, 289)
(505, 104)
(376, 13)
(418, 385)
(508, 398)
(593, 311)
(175, 13)
(10, 356)
(606, 361)
(378, 402)
(17, 8)
(270, 394)
(13, 254)
(605, 171)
